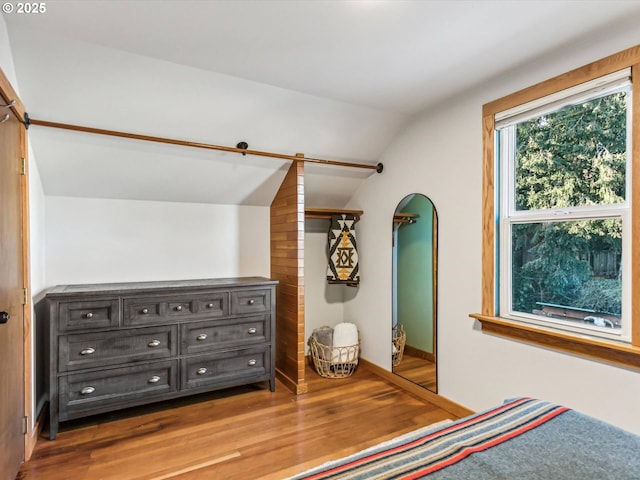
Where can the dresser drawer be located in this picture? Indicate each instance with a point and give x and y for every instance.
(226, 367)
(153, 310)
(103, 313)
(200, 337)
(88, 350)
(250, 301)
(86, 391)
(213, 305)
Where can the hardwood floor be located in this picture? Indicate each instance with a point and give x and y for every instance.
(244, 433)
(417, 370)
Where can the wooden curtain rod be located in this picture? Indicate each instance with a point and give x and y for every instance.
(299, 156)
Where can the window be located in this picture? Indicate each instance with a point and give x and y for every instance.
(561, 212)
(564, 216)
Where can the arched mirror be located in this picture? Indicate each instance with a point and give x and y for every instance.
(415, 233)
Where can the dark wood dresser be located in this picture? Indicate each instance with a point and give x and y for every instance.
(118, 345)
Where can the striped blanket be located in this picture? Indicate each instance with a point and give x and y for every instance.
(522, 439)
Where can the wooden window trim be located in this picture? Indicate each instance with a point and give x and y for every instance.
(610, 351)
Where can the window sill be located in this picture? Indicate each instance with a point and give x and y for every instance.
(603, 350)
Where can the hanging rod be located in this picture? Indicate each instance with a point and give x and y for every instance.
(299, 156)
(405, 217)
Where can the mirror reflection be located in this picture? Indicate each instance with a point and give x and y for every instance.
(414, 291)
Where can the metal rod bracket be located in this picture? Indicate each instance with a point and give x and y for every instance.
(242, 146)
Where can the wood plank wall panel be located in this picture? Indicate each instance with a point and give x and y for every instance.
(287, 266)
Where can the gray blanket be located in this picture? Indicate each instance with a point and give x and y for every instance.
(523, 439)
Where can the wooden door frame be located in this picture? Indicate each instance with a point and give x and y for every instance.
(31, 435)
(9, 95)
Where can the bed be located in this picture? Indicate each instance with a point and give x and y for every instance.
(523, 439)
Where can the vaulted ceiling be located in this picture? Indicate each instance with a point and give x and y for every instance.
(330, 79)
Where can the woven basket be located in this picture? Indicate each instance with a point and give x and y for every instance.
(399, 338)
(333, 362)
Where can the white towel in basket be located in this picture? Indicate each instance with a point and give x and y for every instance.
(345, 335)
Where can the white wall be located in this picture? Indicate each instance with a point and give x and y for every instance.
(102, 240)
(6, 56)
(37, 275)
(440, 155)
(323, 303)
(36, 228)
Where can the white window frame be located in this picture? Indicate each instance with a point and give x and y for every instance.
(508, 215)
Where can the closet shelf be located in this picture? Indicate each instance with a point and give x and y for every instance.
(325, 213)
(405, 217)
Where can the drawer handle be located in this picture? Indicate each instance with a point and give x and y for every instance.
(88, 351)
(154, 343)
(154, 379)
(202, 336)
(251, 331)
(201, 371)
(87, 391)
(144, 311)
(179, 308)
(252, 362)
(89, 315)
(209, 305)
(251, 302)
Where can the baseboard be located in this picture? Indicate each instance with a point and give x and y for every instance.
(32, 436)
(416, 352)
(420, 392)
(297, 388)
